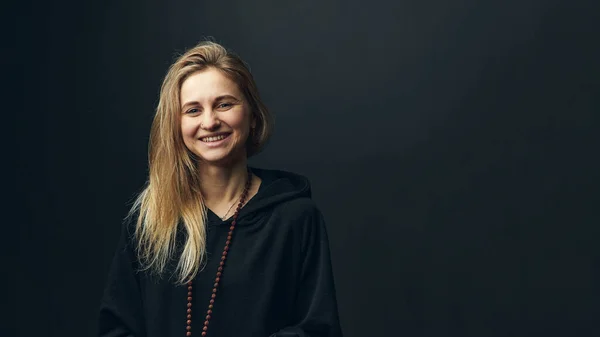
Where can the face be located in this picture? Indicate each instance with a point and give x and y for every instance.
(215, 118)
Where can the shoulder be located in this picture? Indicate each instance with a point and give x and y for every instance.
(287, 195)
(300, 206)
(300, 215)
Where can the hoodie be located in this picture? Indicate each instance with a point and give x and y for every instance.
(277, 280)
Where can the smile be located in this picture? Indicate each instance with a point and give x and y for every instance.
(216, 138)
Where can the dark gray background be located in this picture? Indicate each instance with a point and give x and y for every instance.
(449, 143)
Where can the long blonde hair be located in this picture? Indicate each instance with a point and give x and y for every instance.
(172, 196)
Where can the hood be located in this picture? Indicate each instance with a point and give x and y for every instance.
(276, 187)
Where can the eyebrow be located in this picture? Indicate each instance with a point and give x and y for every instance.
(217, 99)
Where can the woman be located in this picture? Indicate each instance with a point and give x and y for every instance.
(212, 247)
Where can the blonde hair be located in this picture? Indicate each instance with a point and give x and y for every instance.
(172, 197)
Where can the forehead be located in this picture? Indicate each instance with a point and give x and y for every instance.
(206, 85)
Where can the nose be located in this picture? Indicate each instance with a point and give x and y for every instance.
(210, 121)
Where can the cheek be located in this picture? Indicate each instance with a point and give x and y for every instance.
(187, 128)
(242, 122)
(243, 128)
(188, 133)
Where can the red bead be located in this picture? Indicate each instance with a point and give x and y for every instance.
(205, 328)
(203, 333)
(223, 257)
(207, 317)
(188, 334)
(231, 228)
(209, 311)
(189, 322)
(213, 295)
(189, 311)
(216, 284)
(189, 317)
(228, 242)
(190, 288)
(210, 306)
(189, 298)
(220, 269)
(188, 328)
(233, 223)
(189, 293)
(189, 305)
(218, 279)
(221, 263)
(212, 302)
(226, 248)
(214, 290)
(219, 274)
(189, 283)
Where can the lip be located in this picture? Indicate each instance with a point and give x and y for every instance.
(218, 142)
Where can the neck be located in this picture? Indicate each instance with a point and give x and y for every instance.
(222, 184)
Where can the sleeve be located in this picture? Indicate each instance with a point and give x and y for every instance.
(316, 310)
(121, 313)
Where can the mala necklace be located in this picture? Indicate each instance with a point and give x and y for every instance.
(219, 270)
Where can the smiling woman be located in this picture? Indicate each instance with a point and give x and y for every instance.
(213, 247)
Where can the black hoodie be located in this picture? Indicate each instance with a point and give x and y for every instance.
(277, 280)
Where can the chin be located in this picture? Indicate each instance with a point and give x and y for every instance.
(226, 159)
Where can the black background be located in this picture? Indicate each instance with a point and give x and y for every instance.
(449, 143)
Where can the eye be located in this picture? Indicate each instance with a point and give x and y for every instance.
(224, 105)
(192, 111)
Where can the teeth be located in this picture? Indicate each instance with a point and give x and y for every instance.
(212, 139)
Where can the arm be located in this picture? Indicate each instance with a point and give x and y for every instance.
(121, 312)
(316, 312)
